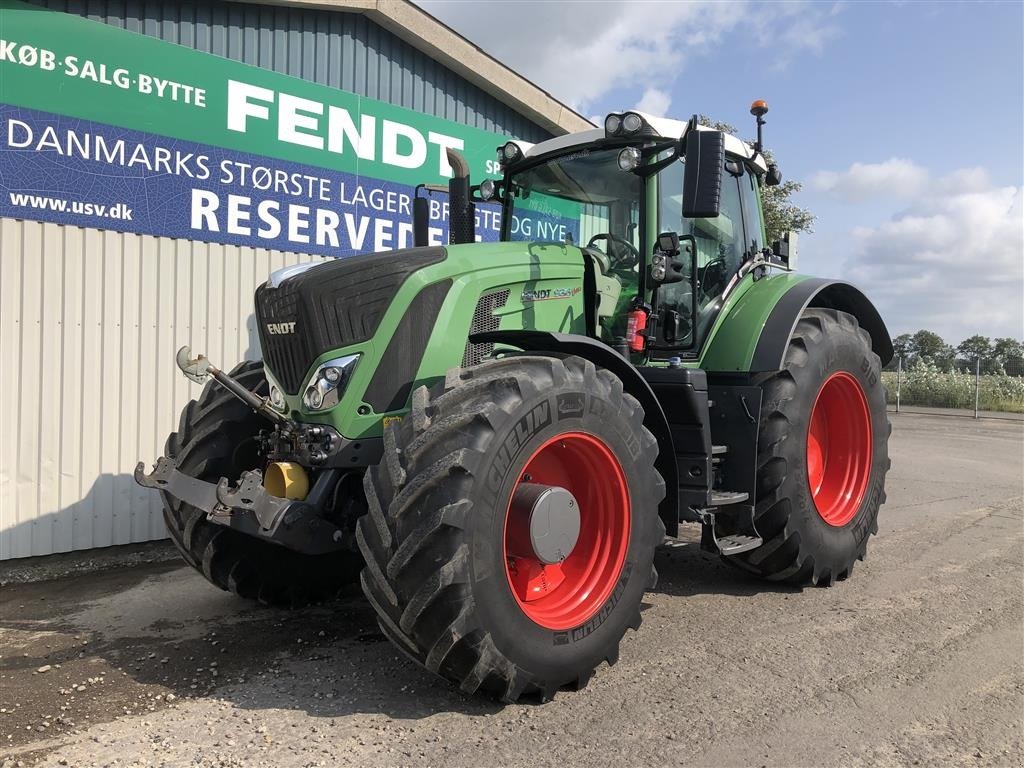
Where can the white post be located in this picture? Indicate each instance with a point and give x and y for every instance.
(977, 384)
(899, 380)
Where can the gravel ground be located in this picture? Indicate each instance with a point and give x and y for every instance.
(917, 660)
(69, 564)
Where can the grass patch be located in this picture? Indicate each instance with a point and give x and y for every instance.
(926, 385)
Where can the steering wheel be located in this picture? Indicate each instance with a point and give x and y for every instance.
(712, 277)
(622, 253)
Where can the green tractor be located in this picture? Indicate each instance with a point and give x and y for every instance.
(494, 438)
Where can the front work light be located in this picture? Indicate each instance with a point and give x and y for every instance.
(629, 159)
(487, 189)
(277, 398)
(627, 124)
(511, 152)
(632, 122)
(659, 267)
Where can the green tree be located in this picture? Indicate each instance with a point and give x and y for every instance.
(928, 346)
(781, 214)
(903, 345)
(975, 348)
(1010, 355)
(945, 359)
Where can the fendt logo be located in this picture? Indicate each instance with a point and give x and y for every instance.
(279, 328)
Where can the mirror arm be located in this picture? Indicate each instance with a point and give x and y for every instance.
(649, 170)
(654, 150)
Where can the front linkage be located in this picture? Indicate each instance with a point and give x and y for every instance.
(290, 516)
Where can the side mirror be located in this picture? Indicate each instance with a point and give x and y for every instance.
(702, 182)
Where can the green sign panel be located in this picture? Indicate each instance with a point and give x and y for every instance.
(68, 65)
(107, 128)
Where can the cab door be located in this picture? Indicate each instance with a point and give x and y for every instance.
(721, 245)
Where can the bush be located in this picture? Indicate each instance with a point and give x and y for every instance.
(924, 384)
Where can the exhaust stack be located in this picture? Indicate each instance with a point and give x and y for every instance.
(461, 210)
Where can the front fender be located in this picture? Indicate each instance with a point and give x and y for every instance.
(754, 330)
(632, 382)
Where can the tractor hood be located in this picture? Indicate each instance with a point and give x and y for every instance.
(306, 311)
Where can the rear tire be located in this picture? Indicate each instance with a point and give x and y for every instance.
(216, 438)
(816, 515)
(439, 569)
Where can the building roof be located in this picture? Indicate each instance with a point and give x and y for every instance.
(422, 31)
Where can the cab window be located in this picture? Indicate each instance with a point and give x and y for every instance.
(751, 211)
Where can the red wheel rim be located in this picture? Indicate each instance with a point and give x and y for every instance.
(566, 594)
(839, 449)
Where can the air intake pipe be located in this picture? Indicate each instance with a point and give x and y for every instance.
(461, 210)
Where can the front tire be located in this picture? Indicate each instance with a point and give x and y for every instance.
(822, 454)
(451, 587)
(216, 438)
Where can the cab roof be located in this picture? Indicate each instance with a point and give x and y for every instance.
(664, 127)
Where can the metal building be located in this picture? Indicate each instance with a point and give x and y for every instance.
(91, 311)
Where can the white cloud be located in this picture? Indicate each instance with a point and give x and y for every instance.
(788, 28)
(654, 102)
(952, 262)
(580, 51)
(896, 177)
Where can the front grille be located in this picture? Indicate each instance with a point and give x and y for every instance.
(484, 319)
(333, 305)
(287, 355)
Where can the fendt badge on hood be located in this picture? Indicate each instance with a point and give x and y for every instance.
(280, 328)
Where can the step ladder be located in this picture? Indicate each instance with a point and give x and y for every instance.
(719, 504)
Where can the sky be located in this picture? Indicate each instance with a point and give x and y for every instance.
(903, 120)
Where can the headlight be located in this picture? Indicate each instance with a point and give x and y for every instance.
(629, 159)
(327, 384)
(487, 189)
(658, 273)
(612, 123)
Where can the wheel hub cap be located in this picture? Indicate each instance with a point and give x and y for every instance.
(554, 517)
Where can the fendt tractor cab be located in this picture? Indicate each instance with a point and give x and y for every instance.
(495, 437)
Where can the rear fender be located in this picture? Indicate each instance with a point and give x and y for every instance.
(769, 312)
(604, 356)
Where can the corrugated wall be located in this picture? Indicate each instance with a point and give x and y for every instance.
(341, 50)
(90, 320)
(89, 323)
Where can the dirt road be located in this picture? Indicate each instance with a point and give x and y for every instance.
(917, 660)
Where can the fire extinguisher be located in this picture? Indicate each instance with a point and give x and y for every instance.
(636, 325)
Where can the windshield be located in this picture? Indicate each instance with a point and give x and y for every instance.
(581, 198)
